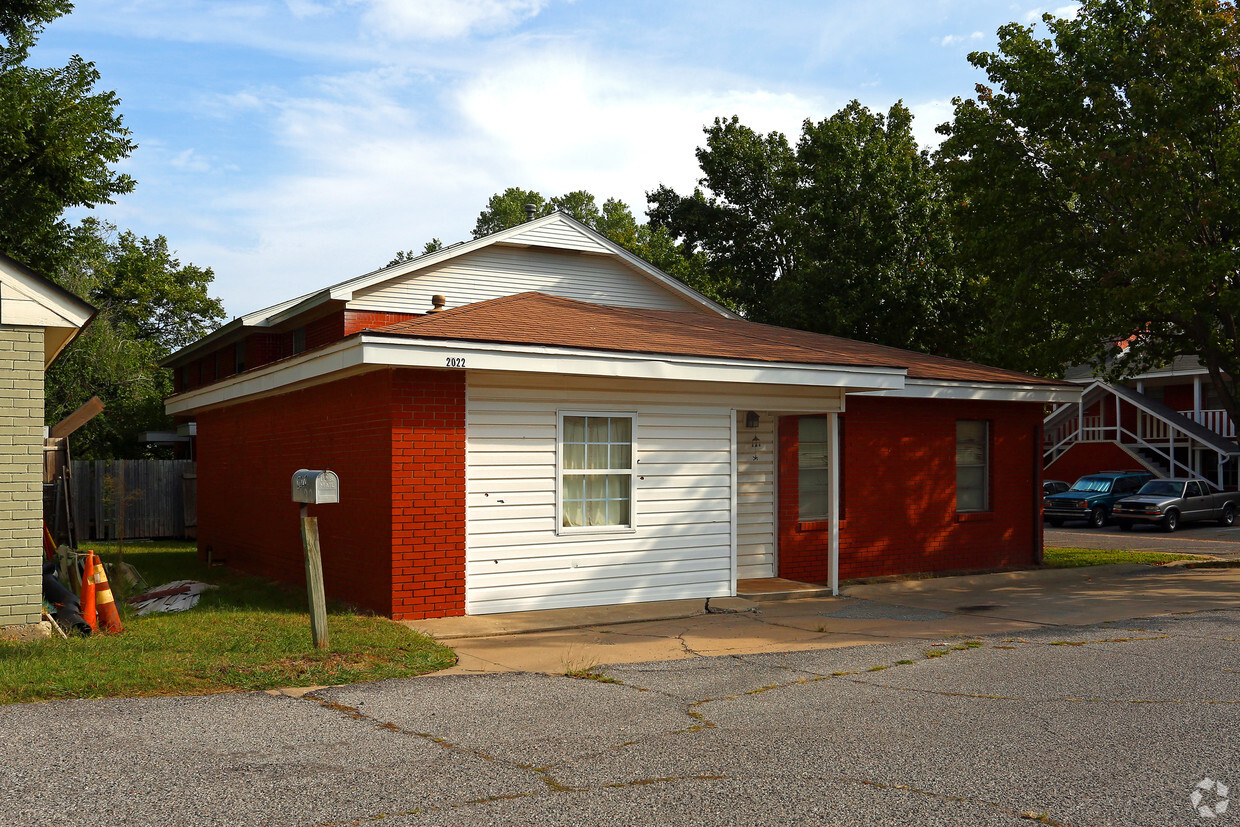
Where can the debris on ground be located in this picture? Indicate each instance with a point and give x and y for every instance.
(68, 610)
(177, 596)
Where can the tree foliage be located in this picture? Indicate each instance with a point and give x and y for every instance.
(1097, 188)
(149, 304)
(60, 139)
(842, 233)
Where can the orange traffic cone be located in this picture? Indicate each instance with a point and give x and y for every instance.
(88, 592)
(109, 618)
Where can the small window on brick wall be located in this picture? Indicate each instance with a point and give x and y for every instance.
(299, 340)
(596, 471)
(239, 355)
(972, 465)
(813, 469)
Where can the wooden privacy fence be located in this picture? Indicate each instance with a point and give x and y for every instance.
(156, 497)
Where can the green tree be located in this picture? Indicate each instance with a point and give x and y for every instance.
(1096, 179)
(507, 209)
(409, 255)
(59, 139)
(149, 305)
(841, 234)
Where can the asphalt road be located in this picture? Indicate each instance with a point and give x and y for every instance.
(1194, 538)
(1116, 723)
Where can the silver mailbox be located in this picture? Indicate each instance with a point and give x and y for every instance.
(316, 487)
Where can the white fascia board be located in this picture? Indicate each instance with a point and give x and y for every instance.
(375, 351)
(980, 391)
(434, 353)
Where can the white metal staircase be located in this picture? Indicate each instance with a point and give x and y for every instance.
(1196, 445)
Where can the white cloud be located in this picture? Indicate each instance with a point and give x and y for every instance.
(445, 19)
(1066, 12)
(613, 129)
(926, 117)
(189, 161)
(380, 167)
(957, 39)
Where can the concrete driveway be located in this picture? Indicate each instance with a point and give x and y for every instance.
(1012, 602)
(1194, 538)
(1123, 722)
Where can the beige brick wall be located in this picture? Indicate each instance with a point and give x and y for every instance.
(21, 474)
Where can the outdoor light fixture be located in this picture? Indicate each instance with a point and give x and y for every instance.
(751, 420)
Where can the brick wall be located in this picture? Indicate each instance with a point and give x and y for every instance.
(324, 331)
(899, 481)
(1090, 458)
(355, 320)
(396, 542)
(428, 473)
(21, 475)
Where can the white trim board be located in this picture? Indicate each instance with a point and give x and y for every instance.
(376, 350)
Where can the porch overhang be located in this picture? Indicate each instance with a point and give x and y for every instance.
(371, 351)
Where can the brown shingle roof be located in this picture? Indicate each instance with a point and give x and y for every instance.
(538, 319)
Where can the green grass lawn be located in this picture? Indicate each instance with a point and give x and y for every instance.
(248, 634)
(1060, 558)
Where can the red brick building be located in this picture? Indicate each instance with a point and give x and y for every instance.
(577, 428)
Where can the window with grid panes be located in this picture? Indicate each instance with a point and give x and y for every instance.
(596, 471)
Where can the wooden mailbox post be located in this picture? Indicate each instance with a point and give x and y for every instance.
(315, 488)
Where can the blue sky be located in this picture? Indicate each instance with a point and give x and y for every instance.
(291, 144)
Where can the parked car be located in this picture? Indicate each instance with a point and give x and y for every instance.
(1054, 487)
(1170, 503)
(1091, 497)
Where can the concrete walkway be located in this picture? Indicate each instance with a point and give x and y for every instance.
(563, 640)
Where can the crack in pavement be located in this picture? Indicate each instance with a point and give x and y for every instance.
(695, 710)
(552, 786)
(355, 714)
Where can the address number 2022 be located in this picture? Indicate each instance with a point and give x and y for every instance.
(456, 361)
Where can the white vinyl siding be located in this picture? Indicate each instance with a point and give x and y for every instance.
(680, 546)
(497, 271)
(682, 542)
(558, 235)
(755, 497)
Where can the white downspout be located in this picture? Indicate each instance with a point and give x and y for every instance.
(732, 540)
(833, 541)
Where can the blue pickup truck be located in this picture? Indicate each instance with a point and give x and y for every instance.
(1091, 497)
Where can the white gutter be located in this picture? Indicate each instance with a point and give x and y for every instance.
(981, 391)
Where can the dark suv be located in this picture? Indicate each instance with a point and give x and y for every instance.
(1090, 498)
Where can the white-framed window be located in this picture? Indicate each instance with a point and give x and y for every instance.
(594, 471)
(972, 465)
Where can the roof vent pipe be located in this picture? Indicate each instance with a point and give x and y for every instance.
(437, 303)
(530, 209)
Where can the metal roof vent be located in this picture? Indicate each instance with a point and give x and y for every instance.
(437, 303)
(530, 209)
